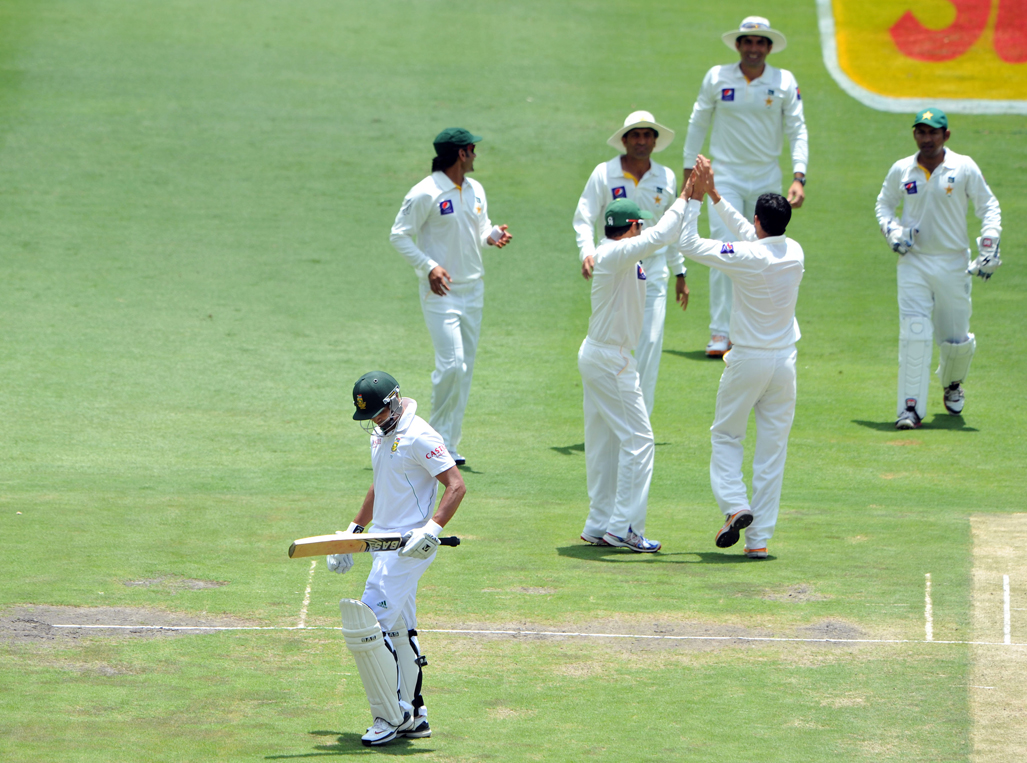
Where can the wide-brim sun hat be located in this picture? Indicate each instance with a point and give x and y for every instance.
(756, 26)
(637, 119)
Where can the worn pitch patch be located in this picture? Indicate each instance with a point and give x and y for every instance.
(999, 673)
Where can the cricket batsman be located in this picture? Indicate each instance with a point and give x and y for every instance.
(409, 461)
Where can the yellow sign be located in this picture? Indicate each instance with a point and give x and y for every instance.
(966, 56)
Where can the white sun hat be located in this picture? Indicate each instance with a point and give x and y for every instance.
(757, 26)
(642, 119)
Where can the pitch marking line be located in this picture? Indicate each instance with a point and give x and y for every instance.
(306, 596)
(544, 634)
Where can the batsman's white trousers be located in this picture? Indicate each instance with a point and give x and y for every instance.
(650, 341)
(741, 186)
(454, 322)
(936, 288)
(618, 440)
(764, 381)
(391, 588)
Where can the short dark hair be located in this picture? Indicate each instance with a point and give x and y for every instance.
(774, 212)
(613, 231)
(447, 154)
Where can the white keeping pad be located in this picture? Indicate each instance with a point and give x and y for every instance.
(916, 336)
(954, 364)
(375, 661)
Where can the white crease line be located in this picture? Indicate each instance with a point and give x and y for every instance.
(1006, 624)
(306, 596)
(928, 609)
(552, 634)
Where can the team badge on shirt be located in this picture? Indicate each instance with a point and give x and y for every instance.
(910, 187)
(446, 207)
(727, 94)
(641, 273)
(727, 249)
(798, 95)
(395, 444)
(620, 193)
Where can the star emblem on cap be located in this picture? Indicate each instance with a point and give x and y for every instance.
(928, 115)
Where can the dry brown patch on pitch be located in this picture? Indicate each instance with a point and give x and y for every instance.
(999, 673)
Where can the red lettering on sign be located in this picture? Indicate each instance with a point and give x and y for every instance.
(1011, 31)
(917, 41)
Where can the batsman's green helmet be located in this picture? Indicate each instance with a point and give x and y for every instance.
(370, 393)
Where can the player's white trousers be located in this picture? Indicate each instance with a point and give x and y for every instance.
(454, 322)
(618, 440)
(935, 288)
(650, 342)
(391, 589)
(764, 381)
(741, 186)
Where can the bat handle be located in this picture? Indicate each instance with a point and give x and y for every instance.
(452, 540)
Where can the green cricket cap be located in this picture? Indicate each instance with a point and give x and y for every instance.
(932, 118)
(624, 212)
(458, 136)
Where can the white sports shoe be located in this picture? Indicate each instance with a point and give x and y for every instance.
(908, 419)
(634, 541)
(382, 732)
(419, 728)
(717, 346)
(595, 540)
(954, 399)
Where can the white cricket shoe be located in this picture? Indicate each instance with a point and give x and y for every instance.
(908, 419)
(383, 732)
(458, 459)
(634, 541)
(954, 399)
(419, 728)
(717, 346)
(595, 540)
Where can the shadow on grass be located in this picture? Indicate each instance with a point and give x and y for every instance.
(570, 450)
(468, 469)
(610, 555)
(348, 743)
(691, 355)
(940, 421)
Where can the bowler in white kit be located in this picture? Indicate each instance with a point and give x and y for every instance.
(409, 461)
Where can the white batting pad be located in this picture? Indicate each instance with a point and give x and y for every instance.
(375, 661)
(915, 345)
(954, 363)
(408, 656)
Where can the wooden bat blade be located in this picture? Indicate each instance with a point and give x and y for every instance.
(352, 543)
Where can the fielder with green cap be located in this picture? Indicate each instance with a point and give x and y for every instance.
(933, 187)
(618, 437)
(440, 230)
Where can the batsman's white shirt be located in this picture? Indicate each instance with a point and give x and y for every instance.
(751, 119)
(654, 192)
(450, 225)
(406, 464)
(936, 203)
(766, 274)
(618, 287)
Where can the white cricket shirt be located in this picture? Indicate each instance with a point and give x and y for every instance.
(618, 281)
(442, 224)
(654, 192)
(405, 464)
(765, 273)
(751, 118)
(937, 204)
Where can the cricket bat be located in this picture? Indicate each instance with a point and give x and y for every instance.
(353, 543)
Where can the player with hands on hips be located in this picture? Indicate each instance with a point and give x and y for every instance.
(752, 106)
(409, 461)
(933, 187)
(440, 230)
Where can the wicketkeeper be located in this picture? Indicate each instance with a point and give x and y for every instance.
(409, 460)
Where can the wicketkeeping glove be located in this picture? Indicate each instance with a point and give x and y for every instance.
(987, 261)
(342, 563)
(901, 239)
(422, 542)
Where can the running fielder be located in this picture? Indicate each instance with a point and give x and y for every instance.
(633, 175)
(440, 230)
(933, 187)
(409, 461)
(752, 106)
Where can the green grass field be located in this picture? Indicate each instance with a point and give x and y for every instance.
(195, 200)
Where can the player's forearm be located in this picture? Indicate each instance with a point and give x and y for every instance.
(420, 261)
(455, 490)
(366, 512)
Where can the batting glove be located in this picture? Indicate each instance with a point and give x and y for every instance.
(343, 563)
(901, 239)
(422, 542)
(988, 260)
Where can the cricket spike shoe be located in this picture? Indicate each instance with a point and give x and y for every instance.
(594, 540)
(908, 419)
(717, 346)
(954, 399)
(419, 728)
(755, 553)
(634, 541)
(383, 732)
(727, 536)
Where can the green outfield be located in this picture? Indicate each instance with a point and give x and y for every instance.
(195, 200)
